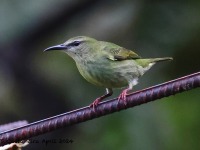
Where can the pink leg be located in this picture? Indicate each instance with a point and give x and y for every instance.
(123, 95)
(108, 93)
(96, 102)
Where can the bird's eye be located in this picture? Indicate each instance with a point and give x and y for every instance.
(75, 43)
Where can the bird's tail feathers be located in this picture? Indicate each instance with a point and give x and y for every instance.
(147, 61)
(151, 60)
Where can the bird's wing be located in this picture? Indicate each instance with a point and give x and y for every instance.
(117, 53)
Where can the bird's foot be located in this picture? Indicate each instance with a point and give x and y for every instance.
(123, 95)
(95, 103)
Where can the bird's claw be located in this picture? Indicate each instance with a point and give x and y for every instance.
(122, 96)
(95, 103)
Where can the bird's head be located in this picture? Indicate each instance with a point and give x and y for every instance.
(80, 46)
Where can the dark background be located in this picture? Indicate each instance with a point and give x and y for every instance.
(36, 85)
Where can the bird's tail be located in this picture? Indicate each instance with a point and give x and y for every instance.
(151, 60)
(147, 61)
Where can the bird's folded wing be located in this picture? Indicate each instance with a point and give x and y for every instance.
(118, 54)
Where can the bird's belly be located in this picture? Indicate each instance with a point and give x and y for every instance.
(114, 74)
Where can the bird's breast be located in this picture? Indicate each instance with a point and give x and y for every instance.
(110, 74)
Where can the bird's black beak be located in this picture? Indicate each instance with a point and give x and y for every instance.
(57, 47)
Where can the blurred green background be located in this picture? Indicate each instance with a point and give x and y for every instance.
(36, 85)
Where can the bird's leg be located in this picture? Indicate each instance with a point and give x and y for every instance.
(123, 94)
(108, 93)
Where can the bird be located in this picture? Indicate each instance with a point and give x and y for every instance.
(106, 64)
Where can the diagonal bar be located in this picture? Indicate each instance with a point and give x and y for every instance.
(9, 126)
(107, 107)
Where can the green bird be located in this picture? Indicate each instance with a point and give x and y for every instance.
(106, 64)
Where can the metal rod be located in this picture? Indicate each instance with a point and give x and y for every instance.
(107, 107)
(9, 126)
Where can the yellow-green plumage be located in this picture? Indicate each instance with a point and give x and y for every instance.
(106, 64)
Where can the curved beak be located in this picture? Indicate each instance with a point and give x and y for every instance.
(56, 47)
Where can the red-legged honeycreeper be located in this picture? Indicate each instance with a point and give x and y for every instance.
(106, 64)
